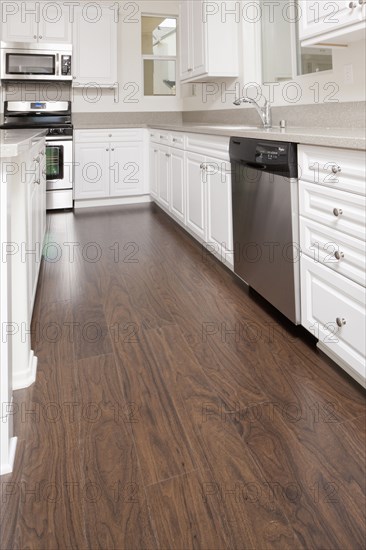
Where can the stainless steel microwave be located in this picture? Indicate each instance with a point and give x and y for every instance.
(33, 61)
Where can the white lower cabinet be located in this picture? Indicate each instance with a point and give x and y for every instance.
(164, 172)
(177, 188)
(196, 194)
(91, 170)
(193, 184)
(109, 165)
(333, 309)
(332, 238)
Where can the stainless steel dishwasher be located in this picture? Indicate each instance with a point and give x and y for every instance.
(265, 220)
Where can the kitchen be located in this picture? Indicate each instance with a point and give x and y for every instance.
(150, 398)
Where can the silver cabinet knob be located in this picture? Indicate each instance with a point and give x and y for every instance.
(362, 2)
(109, 135)
(337, 212)
(112, 149)
(352, 5)
(341, 321)
(336, 169)
(339, 255)
(190, 70)
(167, 155)
(155, 150)
(107, 149)
(40, 37)
(35, 36)
(74, 77)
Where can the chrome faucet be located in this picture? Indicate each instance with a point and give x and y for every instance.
(264, 112)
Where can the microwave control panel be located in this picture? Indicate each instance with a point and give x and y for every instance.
(66, 65)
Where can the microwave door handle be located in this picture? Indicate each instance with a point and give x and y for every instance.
(57, 68)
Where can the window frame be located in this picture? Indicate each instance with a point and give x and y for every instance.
(152, 57)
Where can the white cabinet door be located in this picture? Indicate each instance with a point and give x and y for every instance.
(196, 198)
(219, 208)
(55, 25)
(333, 309)
(319, 17)
(185, 23)
(164, 175)
(92, 170)
(126, 169)
(177, 184)
(95, 46)
(198, 39)
(153, 158)
(19, 23)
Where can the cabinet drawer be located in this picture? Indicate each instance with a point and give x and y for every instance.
(327, 300)
(177, 140)
(90, 136)
(336, 209)
(321, 165)
(341, 253)
(217, 146)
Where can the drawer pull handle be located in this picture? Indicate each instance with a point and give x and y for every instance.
(339, 255)
(341, 321)
(336, 169)
(337, 212)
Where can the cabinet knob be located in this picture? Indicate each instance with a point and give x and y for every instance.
(339, 255)
(190, 70)
(40, 37)
(107, 149)
(352, 5)
(36, 159)
(35, 36)
(37, 182)
(337, 212)
(362, 2)
(155, 150)
(341, 321)
(109, 135)
(74, 77)
(167, 155)
(336, 169)
(112, 149)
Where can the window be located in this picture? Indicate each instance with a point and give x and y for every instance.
(159, 51)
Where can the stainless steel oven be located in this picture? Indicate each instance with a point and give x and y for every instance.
(22, 61)
(59, 171)
(55, 117)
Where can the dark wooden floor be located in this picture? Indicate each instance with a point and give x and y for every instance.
(172, 409)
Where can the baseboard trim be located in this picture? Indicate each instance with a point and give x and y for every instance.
(345, 366)
(90, 203)
(27, 377)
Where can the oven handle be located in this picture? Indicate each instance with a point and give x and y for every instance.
(58, 138)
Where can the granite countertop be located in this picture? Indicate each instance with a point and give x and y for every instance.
(347, 138)
(16, 142)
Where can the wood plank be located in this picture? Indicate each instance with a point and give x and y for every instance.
(116, 510)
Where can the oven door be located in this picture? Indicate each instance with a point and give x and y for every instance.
(59, 166)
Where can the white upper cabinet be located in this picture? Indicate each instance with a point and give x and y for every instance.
(334, 23)
(48, 22)
(95, 45)
(208, 40)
